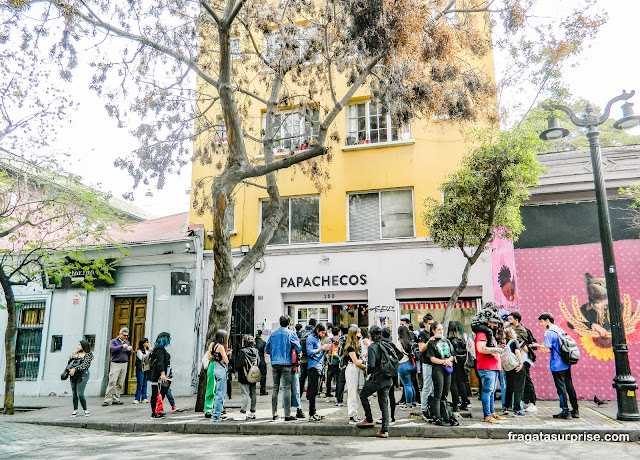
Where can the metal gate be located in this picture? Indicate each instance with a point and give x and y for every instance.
(241, 321)
(30, 318)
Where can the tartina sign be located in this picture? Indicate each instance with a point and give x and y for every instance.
(320, 281)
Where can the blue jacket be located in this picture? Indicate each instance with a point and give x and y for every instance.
(279, 346)
(315, 353)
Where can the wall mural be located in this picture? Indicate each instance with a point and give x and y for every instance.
(567, 281)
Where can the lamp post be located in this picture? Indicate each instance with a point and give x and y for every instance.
(623, 382)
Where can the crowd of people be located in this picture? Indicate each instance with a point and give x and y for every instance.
(427, 364)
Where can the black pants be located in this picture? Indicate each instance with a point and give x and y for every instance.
(154, 395)
(78, 384)
(314, 380)
(263, 377)
(441, 383)
(458, 386)
(515, 389)
(304, 369)
(229, 380)
(333, 372)
(529, 395)
(341, 381)
(392, 397)
(283, 372)
(381, 387)
(564, 386)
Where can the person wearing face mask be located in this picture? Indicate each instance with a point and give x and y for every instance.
(440, 354)
(489, 367)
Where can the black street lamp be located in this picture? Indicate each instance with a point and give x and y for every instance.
(623, 382)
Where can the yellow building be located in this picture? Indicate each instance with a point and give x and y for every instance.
(357, 252)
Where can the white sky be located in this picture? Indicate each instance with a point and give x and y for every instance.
(93, 140)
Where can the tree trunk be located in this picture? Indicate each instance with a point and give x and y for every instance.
(456, 294)
(9, 344)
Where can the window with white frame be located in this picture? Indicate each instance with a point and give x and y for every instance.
(294, 130)
(301, 221)
(304, 313)
(380, 215)
(369, 123)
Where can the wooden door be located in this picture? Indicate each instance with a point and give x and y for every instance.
(130, 312)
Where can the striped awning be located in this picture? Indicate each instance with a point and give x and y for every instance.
(437, 305)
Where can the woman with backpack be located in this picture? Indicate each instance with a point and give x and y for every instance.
(440, 355)
(79, 375)
(160, 362)
(247, 360)
(353, 365)
(407, 365)
(216, 376)
(143, 354)
(516, 378)
(459, 395)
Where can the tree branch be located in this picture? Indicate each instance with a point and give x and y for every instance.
(209, 10)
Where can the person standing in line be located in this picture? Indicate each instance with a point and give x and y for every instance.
(79, 376)
(427, 381)
(406, 365)
(295, 384)
(489, 367)
(279, 347)
(247, 355)
(353, 371)
(304, 359)
(379, 380)
(217, 376)
(515, 377)
(159, 371)
(142, 368)
(440, 354)
(260, 344)
(120, 349)
(458, 388)
(315, 352)
(560, 371)
(526, 339)
(333, 362)
(365, 341)
(395, 384)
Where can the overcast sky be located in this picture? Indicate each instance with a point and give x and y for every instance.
(93, 140)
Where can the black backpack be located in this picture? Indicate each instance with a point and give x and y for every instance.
(530, 339)
(388, 360)
(459, 349)
(303, 343)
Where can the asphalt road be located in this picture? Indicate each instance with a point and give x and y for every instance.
(22, 441)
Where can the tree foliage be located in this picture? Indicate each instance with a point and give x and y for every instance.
(484, 195)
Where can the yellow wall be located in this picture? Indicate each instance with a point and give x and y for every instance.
(437, 151)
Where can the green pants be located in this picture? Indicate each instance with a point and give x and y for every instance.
(211, 389)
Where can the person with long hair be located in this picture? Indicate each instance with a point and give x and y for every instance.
(217, 376)
(440, 354)
(365, 341)
(352, 356)
(79, 375)
(247, 356)
(407, 365)
(159, 372)
(458, 386)
(142, 368)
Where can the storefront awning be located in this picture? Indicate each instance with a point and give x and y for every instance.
(438, 305)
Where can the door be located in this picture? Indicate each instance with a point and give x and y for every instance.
(130, 312)
(241, 321)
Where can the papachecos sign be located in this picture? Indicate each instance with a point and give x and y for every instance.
(323, 281)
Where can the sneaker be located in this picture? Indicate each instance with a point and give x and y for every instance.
(315, 418)
(364, 423)
(497, 417)
(240, 417)
(299, 413)
(135, 401)
(224, 412)
(531, 408)
(264, 393)
(174, 408)
(275, 417)
(354, 420)
(464, 407)
(564, 415)
(291, 418)
(338, 404)
(505, 411)
(575, 414)
(207, 415)
(74, 413)
(219, 419)
(401, 406)
(117, 403)
(145, 400)
(382, 434)
(251, 416)
(86, 413)
(441, 423)
(519, 413)
(328, 395)
(489, 419)
(106, 403)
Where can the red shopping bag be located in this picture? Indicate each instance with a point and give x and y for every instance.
(159, 406)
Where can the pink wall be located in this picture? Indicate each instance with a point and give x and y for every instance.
(549, 275)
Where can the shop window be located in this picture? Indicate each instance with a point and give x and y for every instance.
(56, 343)
(30, 316)
(369, 122)
(304, 313)
(301, 222)
(380, 215)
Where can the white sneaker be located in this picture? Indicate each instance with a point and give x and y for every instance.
(531, 408)
(86, 413)
(135, 401)
(74, 413)
(240, 417)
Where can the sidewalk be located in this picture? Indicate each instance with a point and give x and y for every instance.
(136, 418)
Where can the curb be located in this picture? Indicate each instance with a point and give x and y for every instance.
(308, 429)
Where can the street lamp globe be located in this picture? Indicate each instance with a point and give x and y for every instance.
(628, 120)
(554, 131)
